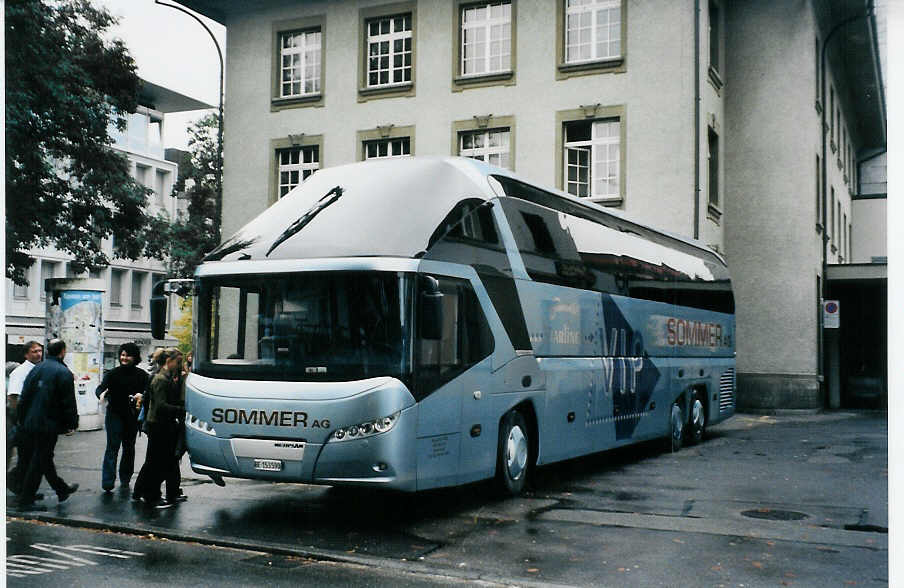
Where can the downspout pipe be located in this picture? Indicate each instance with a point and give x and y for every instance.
(696, 119)
(824, 130)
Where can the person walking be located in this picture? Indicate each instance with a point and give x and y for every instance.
(46, 409)
(123, 388)
(165, 416)
(34, 353)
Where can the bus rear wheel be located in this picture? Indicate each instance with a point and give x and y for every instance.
(676, 427)
(513, 456)
(698, 420)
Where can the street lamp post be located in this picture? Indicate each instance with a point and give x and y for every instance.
(219, 174)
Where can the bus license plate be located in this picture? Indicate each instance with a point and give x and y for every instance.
(268, 465)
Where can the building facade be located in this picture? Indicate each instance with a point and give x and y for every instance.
(700, 117)
(128, 282)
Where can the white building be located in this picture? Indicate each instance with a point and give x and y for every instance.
(128, 283)
(702, 117)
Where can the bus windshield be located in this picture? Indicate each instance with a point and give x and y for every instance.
(306, 326)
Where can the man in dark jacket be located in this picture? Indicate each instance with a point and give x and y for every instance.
(123, 386)
(46, 409)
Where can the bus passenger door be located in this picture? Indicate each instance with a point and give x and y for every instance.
(449, 370)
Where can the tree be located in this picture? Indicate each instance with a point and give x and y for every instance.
(65, 186)
(194, 234)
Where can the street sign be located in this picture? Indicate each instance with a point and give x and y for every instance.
(831, 314)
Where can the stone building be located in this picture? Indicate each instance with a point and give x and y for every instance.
(702, 117)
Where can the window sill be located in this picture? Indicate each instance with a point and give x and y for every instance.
(714, 213)
(115, 305)
(134, 307)
(461, 82)
(605, 201)
(387, 91)
(715, 79)
(296, 101)
(616, 65)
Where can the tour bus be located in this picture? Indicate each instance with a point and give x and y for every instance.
(417, 323)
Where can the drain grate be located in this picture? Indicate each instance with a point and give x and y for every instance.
(770, 514)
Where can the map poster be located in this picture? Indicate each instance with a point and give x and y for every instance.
(75, 316)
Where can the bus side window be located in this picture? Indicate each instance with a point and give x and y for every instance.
(466, 338)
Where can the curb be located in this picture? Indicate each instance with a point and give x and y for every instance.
(402, 566)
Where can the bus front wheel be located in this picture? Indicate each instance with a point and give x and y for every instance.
(513, 462)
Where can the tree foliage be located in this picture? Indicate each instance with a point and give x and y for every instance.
(194, 233)
(65, 186)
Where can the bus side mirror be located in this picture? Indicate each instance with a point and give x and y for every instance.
(431, 315)
(158, 311)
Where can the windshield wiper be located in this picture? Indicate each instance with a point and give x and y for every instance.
(328, 198)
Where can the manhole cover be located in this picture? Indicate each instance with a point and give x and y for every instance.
(771, 514)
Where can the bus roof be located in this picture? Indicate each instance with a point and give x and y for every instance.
(389, 207)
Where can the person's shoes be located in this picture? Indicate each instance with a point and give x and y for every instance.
(108, 491)
(62, 496)
(163, 504)
(136, 497)
(39, 496)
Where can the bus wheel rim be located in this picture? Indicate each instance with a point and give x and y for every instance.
(516, 453)
(698, 415)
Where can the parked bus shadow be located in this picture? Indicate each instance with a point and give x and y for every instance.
(406, 526)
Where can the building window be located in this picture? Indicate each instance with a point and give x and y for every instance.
(838, 228)
(486, 38)
(832, 212)
(818, 193)
(21, 291)
(850, 247)
(160, 185)
(387, 148)
(299, 70)
(592, 30)
(137, 289)
(48, 270)
(491, 146)
(714, 36)
(713, 167)
(389, 51)
(593, 158)
(818, 68)
(116, 287)
(846, 243)
(295, 165)
(832, 117)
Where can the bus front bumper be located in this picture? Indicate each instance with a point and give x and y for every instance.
(385, 460)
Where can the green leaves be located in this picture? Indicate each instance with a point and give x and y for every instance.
(194, 234)
(65, 186)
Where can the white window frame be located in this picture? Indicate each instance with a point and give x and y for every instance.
(498, 154)
(305, 162)
(478, 19)
(299, 63)
(396, 147)
(576, 9)
(593, 155)
(390, 37)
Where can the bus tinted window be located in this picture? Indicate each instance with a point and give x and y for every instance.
(466, 338)
(469, 235)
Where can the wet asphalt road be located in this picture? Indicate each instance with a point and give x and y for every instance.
(765, 501)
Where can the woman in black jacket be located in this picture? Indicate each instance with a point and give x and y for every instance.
(122, 387)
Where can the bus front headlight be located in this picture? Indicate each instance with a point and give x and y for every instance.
(197, 424)
(365, 429)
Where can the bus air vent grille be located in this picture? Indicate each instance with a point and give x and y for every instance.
(726, 390)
